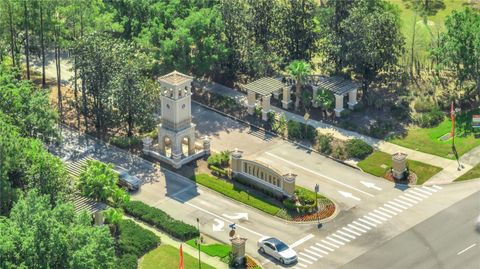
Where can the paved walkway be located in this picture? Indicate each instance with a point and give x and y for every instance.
(450, 167)
(166, 239)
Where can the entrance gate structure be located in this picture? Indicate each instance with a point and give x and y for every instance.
(265, 87)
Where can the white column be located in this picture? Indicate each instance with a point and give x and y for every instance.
(338, 105)
(265, 107)
(286, 97)
(352, 99)
(251, 102)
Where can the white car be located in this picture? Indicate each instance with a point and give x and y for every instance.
(277, 249)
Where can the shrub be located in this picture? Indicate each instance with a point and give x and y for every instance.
(127, 261)
(339, 153)
(258, 111)
(161, 220)
(325, 143)
(135, 240)
(345, 113)
(294, 129)
(425, 106)
(271, 116)
(219, 159)
(380, 129)
(429, 119)
(357, 148)
(218, 171)
(125, 142)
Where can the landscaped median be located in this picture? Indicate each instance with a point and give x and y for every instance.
(166, 256)
(379, 163)
(269, 205)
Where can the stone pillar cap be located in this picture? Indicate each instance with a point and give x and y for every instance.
(399, 156)
(237, 240)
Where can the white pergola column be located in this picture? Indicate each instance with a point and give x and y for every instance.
(338, 105)
(352, 99)
(265, 107)
(251, 102)
(276, 93)
(286, 97)
(315, 90)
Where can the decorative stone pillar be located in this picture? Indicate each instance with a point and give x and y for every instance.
(265, 107)
(315, 90)
(399, 165)
(147, 143)
(288, 185)
(276, 94)
(352, 99)
(206, 145)
(338, 105)
(286, 97)
(236, 161)
(251, 96)
(176, 152)
(238, 249)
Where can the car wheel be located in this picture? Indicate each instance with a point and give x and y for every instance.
(262, 250)
(282, 261)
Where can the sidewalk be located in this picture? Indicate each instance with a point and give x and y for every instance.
(450, 167)
(166, 239)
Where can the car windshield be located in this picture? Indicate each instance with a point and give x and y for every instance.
(281, 246)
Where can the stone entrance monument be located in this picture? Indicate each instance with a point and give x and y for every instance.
(176, 129)
(399, 165)
(238, 249)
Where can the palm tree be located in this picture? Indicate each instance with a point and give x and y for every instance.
(299, 70)
(324, 98)
(113, 217)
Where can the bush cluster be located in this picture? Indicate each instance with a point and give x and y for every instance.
(218, 171)
(161, 220)
(380, 129)
(298, 131)
(133, 242)
(125, 142)
(425, 106)
(325, 143)
(357, 148)
(429, 119)
(219, 159)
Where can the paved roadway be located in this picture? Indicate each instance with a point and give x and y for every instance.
(446, 240)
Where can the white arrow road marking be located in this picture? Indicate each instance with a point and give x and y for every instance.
(349, 195)
(237, 216)
(322, 175)
(471, 246)
(219, 225)
(371, 185)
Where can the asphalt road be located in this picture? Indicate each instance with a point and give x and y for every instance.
(445, 240)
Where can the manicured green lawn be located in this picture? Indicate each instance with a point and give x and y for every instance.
(166, 256)
(471, 174)
(214, 250)
(236, 193)
(427, 140)
(373, 165)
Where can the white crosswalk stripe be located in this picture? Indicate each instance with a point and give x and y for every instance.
(351, 231)
(335, 241)
(389, 211)
(361, 225)
(413, 196)
(393, 205)
(313, 253)
(382, 213)
(377, 216)
(372, 219)
(423, 191)
(302, 265)
(341, 237)
(304, 260)
(368, 222)
(330, 244)
(308, 256)
(356, 228)
(319, 250)
(402, 202)
(408, 199)
(413, 191)
(437, 187)
(430, 188)
(346, 234)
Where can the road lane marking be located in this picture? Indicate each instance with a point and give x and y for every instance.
(308, 256)
(328, 243)
(377, 216)
(301, 241)
(393, 205)
(343, 233)
(381, 213)
(423, 191)
(418, 193)
(304, 260)
(367, 222)
(402, 202)
(469, 247)
(413, 197)
(336, 241)
(341, 237)
(408, 199)
(351, 231)
(319, 250)
(302, 265)
(437, 187)
(429, 188)
(356, 228)
(361, 225)
(372, 219)
(313, 253)
(388, 211)
(322, 175)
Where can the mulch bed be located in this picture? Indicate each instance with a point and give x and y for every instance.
(411, 179)
(324, 213)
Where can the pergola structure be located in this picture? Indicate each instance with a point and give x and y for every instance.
(265, 87)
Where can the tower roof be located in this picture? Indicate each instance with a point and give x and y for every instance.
(175, 78)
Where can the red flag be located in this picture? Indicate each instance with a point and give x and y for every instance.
(180, 264)
(452, 116)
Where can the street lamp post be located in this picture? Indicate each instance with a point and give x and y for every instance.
(198, 227)
(317, 189)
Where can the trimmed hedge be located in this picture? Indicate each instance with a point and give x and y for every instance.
(357, 148)
(134, 239)
(161, 220)
(127, 261)
(125, 142)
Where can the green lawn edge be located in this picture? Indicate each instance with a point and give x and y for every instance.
(473, 173)
(372, 165)
(213, 250)
(166, 256)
